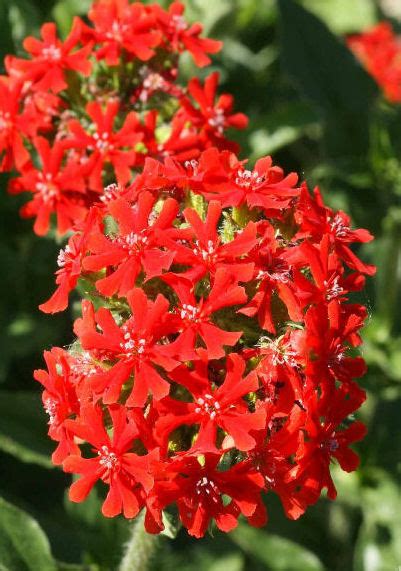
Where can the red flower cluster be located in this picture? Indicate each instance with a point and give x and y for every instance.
(215, 357)
(379, 50)
(78, 114)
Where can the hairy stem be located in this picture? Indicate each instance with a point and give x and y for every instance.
(139, 549)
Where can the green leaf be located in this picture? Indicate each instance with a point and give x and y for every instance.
(278, 553)
(65, 10)
(330, 77)
(101, 537)
(6, 39)
(282, 127)
(23, 427)
(343, 16)
(23, 544)
(230, 562)
(172, 525)
(24, 19)
(61, 566)
(378, 546)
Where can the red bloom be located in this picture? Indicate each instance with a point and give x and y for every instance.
(328, 328)
(56, 189)
(317, 220)
(11, 127)
(121, 27)
(132, 348)
(325, 439)
(193, 318)
(70, 263)
(274, 274)
(379, 51)
(137, 245)
(212, 117)
(222, 407)
(200, 246)
(60, 401)
(223, 177)
(180, 36)
(126, 473)
(107, 146)
(51, 58)
(198, 489)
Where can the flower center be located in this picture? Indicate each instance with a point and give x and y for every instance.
(189, 312)
(279, 272)
(208, 405)
(52, 53)
(111, 192)
(208, 253)
(64, 257)
(333, 288)
(178, 23)
(338, 227)
(192, 167)
(280, 352)
(208, 487)
(103, 143)
(46, 187)
(84, 365)
(108, 459)
(218, 120)
(5, 121)
(132, 242)
(51, 410)
(116, 31)
(248, 179)
(132, 344)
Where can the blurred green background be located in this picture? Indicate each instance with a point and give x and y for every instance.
(314, 108)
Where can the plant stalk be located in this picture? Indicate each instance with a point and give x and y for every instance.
(140, 548)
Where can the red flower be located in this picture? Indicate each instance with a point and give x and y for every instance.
(137, 245)
(317, 220)
(222, 407)
(132, 348)
(197, 486)
(70, 263)
(60, 401)
(328, 329)
(126, 473)
(11, 127)
(223, 177)
(379, 51)
(107, 146)
(192, 318)
(212, 117)
(51, 58)
(200, 246)
(126, 28)
(325, 439)
(180, 36)
(273, 274)
(56, 189)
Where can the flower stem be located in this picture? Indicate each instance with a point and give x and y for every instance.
(139, 549)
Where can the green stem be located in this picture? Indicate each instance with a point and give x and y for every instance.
(139, 549)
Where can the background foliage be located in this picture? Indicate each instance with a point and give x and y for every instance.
(314, 108)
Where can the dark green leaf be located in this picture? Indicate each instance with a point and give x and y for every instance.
(23, 545)
(329, 75)
(278, 553)
(23, 427)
